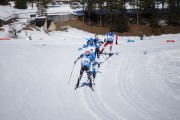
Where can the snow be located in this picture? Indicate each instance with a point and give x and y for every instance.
(6, 11)
(64, 8)
(141, 83)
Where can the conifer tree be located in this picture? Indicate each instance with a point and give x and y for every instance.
(21, 4)
(4, 2)
(120, 23)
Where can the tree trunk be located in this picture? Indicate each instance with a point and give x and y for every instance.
(83, 11)
(89, 18)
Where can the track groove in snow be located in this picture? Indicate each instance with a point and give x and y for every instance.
(134, 101)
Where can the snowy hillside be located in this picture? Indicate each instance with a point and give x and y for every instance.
(130, 86)
(142, 82)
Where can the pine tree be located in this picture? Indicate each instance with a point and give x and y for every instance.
(120, 23)
(174, 7)
(4, 2)
(21, 4)
(148, 8)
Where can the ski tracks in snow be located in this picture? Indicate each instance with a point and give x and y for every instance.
(132, 98)
(121, 87)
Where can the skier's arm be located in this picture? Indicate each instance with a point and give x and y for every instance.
(97, 46)
(78, 59)
(92, 59)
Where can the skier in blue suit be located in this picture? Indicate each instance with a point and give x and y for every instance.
(92, 47)
(87, 60)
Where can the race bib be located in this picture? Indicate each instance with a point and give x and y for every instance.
(110, 38)
(85, 61)
(92, 49)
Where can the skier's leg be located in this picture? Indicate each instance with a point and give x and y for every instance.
(98, 56)
(80, 76)
(98, 53)
(111, 44)
(103, 48)
(94, 73)
(89, 77)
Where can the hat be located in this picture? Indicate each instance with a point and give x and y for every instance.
(91, 40)
(87, 50)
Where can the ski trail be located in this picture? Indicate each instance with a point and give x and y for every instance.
(98, 105)
(135, 101)
(130, 94)
(163, 85)
(95, 104)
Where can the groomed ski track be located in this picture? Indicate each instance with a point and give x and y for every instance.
(122, 99)
(130, 86)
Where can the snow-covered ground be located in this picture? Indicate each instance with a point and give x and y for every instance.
(6, 11)
(130, 86)
(141, 83)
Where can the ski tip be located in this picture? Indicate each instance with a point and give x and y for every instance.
(92, 88)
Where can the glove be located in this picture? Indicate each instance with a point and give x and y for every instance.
(94, 63)
(79, 49)
(116, 42)
(101, 42)
(75, 62)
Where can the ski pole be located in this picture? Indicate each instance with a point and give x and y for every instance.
(107, 59)
(71, 73)
(103, 57)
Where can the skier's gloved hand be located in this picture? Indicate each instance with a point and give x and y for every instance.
(94, 63)
(84, 46)
(101, 42)
(75, 62)
(79, 49)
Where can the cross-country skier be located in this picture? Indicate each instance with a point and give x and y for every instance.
(94, 45)
(86, 60)
(97, 42)
(109, 39)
